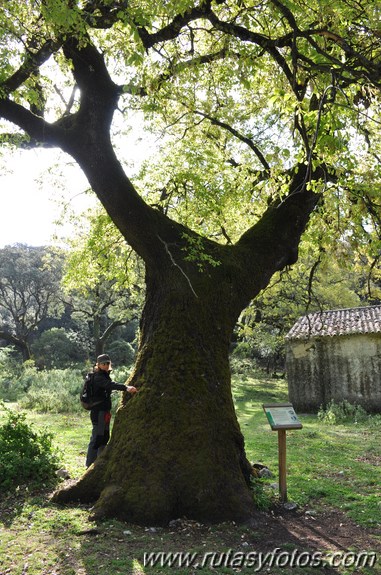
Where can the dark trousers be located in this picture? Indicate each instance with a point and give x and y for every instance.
(99, 436)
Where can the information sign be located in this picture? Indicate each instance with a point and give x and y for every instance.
(281, 416)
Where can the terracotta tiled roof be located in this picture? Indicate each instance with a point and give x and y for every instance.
(338, 322)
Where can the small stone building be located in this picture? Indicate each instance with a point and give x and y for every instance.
(335, 355)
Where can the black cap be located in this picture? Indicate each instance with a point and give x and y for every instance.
(104, 358)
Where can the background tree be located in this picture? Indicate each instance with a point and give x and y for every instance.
(321, 279)
(101, 280)
(29, 289)
(265, 112)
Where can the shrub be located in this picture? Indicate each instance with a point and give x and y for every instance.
(55, 391)
(375, 420)
(26, 456)
(241, 361)
(122, 352)
(121, 374)
(54, 349)
(343, 412)
(242, 366)
(10, 371)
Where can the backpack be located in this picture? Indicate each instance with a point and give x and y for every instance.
(87, 397)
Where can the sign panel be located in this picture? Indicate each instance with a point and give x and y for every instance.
(281, 416)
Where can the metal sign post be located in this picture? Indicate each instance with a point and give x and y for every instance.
(281, 416)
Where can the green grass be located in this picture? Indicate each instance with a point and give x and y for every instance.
(327, 466)
(338, 465)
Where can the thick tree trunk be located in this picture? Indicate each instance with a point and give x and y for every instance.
(25, 350)
(176, 447)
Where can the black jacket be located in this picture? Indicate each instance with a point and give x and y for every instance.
(103, 386)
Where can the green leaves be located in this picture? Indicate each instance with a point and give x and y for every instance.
(26, 456)
(195, 252)
(102, 273)
(98, 253)
(233, 97)
(63, 19)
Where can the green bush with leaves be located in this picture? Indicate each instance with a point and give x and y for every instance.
(26, 456)
(10, 371)
(56, 348)
(55, 391)
(342, 412)
(122, 352)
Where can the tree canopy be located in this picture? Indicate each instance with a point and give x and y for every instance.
(244, 93)
(102, 281)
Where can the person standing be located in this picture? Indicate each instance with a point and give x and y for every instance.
(100, 414)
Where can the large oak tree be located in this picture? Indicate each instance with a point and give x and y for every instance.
(262, 107)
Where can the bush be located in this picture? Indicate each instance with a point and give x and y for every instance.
(343, 412)
(122, 352)
(55, 391)
(26, 456)
(375, 420)
(242, 366)
(241, 360)
(10, 371)
(54, 349)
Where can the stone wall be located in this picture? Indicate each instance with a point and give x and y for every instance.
(338, 368)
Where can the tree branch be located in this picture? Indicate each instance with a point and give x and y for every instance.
(112, 327)
(238, 135)
(103, 15)
(366, 68)
(172, 30)
(9, 337)
(369, 278)
(40, 132)
(311, 279)
(31, 65)
(270, 46)
(272, 243)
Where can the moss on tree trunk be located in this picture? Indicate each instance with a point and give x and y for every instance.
(176, 447)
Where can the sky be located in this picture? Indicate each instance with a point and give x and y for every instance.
(34, 196)
(36, 186)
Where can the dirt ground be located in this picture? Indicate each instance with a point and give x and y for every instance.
(326, 530)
